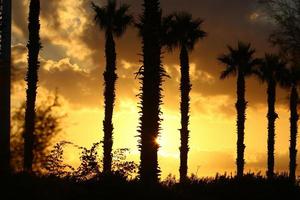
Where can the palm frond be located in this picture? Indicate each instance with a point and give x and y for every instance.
(113, 18)
(180, 29)
(230, 70)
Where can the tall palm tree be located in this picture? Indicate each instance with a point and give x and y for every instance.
(239, 62)
(34, 46)
(113, 21)
(151, 77)
(270, 71)
(182, 31)
(291, 81)
(5, 70)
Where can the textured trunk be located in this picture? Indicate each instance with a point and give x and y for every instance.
(151, 79)
(5, 68)
(185, 88)
(241, 108)
(110, 78)
(294, 131)
(32, 79)
(272, 116)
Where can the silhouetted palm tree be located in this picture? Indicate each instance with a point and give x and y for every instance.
(239, 62)
(113, 21)
(151, 77)
(34, 46)
(291, 81)
(183, 32)
(271, 71)
(5, 70)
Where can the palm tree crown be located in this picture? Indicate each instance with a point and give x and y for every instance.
(239, 60)
(181, 30)
(113, 18)
(271, 68)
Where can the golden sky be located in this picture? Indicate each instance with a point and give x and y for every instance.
(72, 60)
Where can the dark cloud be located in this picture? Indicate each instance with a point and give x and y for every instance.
(226, 21)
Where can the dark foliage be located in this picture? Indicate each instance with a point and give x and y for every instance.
(47, 127)
(115, 187)
(90, 167)
(54, 163)
(34, 46)
(286, 15)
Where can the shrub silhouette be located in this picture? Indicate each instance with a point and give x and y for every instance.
(47, 126)
(90, 163)
(54, 164)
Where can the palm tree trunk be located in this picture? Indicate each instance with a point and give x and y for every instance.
(241, 108)
(294, 131)
(185, 88)
(34, 47)
(272, 116)
(110, 78)
(151, 79)
(5, 70)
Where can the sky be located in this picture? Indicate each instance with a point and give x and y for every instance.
(72, 61)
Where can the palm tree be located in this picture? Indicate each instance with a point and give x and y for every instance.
(151, 77)
(270, 71)
(34, 46)
(183, 32)
(5, 70)
(291, 81)
(113, 21)
(239, 62)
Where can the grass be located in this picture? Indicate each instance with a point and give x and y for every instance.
(250, 187)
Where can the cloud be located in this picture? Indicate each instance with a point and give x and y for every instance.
(68, 31)
(81, 87)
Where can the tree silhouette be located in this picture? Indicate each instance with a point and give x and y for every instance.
(286, 15)
(48, 124)
(239, 62)
(151, 77)
(271, 71)
(291, 81)
(34, 47)
(183, 32)
(5, 70)
(113, 21)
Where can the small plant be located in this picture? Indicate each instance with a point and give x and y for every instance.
(121, 166)
(54, 161)
(89, 166)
